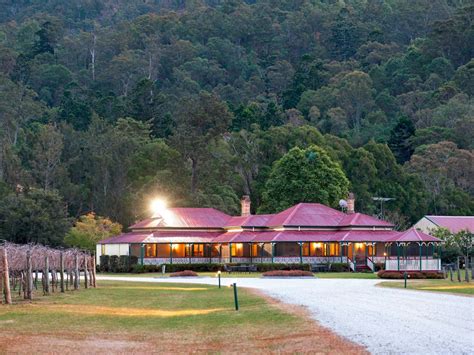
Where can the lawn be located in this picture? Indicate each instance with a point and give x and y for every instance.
(142, 317)
(434, 285)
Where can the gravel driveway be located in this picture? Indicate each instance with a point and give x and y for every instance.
(385, 320)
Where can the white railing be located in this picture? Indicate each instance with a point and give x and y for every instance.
(370, 264)
(351, 264)
(413, 264)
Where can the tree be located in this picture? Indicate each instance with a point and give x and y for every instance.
(455, 244)
(355, 95)
(46, 156)
(89, 230)
(200, 120)
(35, 216)
(400, 139)
(304, 175)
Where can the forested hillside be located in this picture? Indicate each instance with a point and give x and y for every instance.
(104, 104)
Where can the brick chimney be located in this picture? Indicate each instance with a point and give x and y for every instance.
(350, 203)
(245, 203)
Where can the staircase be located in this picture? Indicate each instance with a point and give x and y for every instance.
(361, 265)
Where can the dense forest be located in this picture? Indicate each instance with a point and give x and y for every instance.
(107, 103)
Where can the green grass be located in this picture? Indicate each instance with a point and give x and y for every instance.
(168, 317)
(434, 285)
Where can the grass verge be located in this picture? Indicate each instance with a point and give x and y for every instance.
(447, 286)
(143, 317)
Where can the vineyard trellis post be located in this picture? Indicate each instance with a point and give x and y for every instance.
(29, 276)
(94, 267)
(76, 272)
(61, 271)
(46, 276)
(86, 284)
(6, 278)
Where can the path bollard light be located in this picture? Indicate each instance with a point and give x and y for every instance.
(405, 276)
(219, 277)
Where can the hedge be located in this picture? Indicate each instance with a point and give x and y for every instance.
(287, 273)
(114, 263)
(384, 274)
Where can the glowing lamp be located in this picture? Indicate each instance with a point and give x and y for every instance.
(158, 207)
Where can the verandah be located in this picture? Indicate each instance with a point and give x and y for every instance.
(395, 256)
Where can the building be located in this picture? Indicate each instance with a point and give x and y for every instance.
(304, 233)
(454, 224)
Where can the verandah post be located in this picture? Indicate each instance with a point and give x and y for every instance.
(301, 252)
(171, 253)
(273, 252)
(251, 252)
(398, 256)
(142, 253)
(420, 254)
(230, 252)
(340, 250)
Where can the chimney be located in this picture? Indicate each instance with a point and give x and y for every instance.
(245, 203)
(350, 203)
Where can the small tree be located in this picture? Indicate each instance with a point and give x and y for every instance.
(89, 230)
(455, 244)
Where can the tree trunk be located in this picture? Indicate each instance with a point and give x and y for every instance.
(193, 175)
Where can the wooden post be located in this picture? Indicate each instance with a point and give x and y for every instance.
(94, 284)
(86, 284)
(61, 271)
(29, 276)
(46, 276)
(459, 270)
(6, 278)
(76, 272)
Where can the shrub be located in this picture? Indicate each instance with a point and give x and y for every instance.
(139, 269)
(114, 263)
(124, 263)
(277, 266)
(339, 267)
(379, 266)
(104, 263)
(185, 273)
(287, 273)
(384, 274)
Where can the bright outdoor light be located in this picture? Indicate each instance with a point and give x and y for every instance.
(158, 207)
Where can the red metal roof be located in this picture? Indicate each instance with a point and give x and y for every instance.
(318, 215)
(413, 235)
(255, 220)
(186, 218)
(360, 219)
(126, 238)
(454, 224)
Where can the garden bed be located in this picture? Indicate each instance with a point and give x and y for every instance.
(397, 275)
(185, 273)
(288, 273)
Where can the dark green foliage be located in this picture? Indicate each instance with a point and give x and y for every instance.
(232, 87)
(114, 265)
(35, 216)
(385, 274)
(400, 140)
(104, 263)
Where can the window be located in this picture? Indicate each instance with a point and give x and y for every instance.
(305, 249)
(150, 250)
(198, 250)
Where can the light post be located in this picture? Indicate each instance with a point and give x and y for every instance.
(219, 278)
(236, 298)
